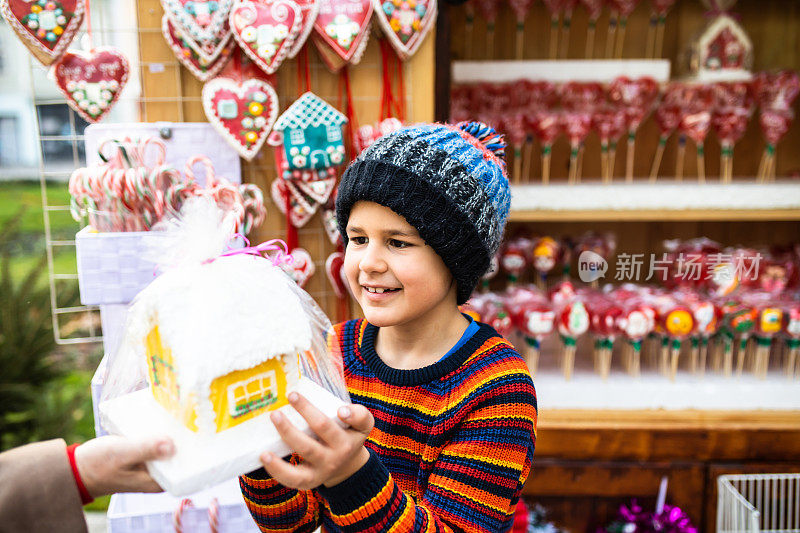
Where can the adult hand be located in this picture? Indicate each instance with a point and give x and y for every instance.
(115, 464)
(337, 455)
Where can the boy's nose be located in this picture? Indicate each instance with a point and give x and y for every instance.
(372, 260)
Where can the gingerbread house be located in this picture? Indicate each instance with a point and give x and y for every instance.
(222, 340)
(723, 51)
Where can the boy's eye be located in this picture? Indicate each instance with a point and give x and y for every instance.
(358, 240)
(399, 244)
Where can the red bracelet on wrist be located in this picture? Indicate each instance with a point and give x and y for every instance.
(85, 496)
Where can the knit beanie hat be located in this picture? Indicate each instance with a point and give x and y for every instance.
(448, 181)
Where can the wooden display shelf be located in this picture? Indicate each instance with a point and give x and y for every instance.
(661, 435)
(655, 202)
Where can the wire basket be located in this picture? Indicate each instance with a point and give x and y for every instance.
(758, 503)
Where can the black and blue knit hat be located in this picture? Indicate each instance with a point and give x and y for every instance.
(448, 181)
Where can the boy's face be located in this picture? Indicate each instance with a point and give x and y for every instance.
(395, 277)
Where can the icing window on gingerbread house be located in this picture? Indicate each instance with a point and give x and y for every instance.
(296, 136)
(334, 132)
(253, 393)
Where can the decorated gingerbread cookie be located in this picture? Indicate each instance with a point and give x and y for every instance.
(201, 69)
(405, 22)
(92, 81)
(46, 27)
(266, 30)
(243, 112)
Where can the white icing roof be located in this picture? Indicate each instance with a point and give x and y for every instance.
(309, 110)
(230, 314)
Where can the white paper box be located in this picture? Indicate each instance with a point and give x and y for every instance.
(154, 513)
(111, 269)
(203, 461)
(186, 139)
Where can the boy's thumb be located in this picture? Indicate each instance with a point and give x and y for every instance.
(357, 417)
(154, 449)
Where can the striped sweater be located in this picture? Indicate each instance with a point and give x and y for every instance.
(451, 449)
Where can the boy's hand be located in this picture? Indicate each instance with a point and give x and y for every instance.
(338, 454)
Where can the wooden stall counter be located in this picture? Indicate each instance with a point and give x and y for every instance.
(589, 462)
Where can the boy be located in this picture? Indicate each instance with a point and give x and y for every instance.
(441, 431)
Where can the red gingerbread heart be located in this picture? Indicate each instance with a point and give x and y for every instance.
(266, 30)
(205, 22)
(300, 210)
(242, 112)
(46, 27)
(309, 9)
(301, 268)
(405, 22)
(201, 69)
(334, 268)
(92, 81)
(343, 25)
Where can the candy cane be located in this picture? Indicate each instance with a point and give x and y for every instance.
(177, 516)
(208, 166)
(213, 515)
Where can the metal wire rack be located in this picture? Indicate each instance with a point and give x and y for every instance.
(767, 503)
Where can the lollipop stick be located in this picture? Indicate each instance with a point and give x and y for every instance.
(623, 22)
(517, 164)
(680, 158)
(546, 164)
(662, 142)
(636, 356)
(630, 155)
(701, 163)
(771, 167)
(573, 165)
(660, 37)
(468, 30)
(651, 36)
(673, 367)
(564, 48)
(569, 361)
(703, 355)
(762, 167)
(526, 159)
(553, 36)
(664, 364)
(590, 39)
(694, 356)
(612, 157)
(489, 40)
(612, 34)
(520, 39)
(531, 347)
(741, 354)
(790, 362)
(579, 170)
(604, 162)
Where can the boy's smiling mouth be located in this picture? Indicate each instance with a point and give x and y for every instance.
(376, 290)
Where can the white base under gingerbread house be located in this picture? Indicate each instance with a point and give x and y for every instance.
(202, 461)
